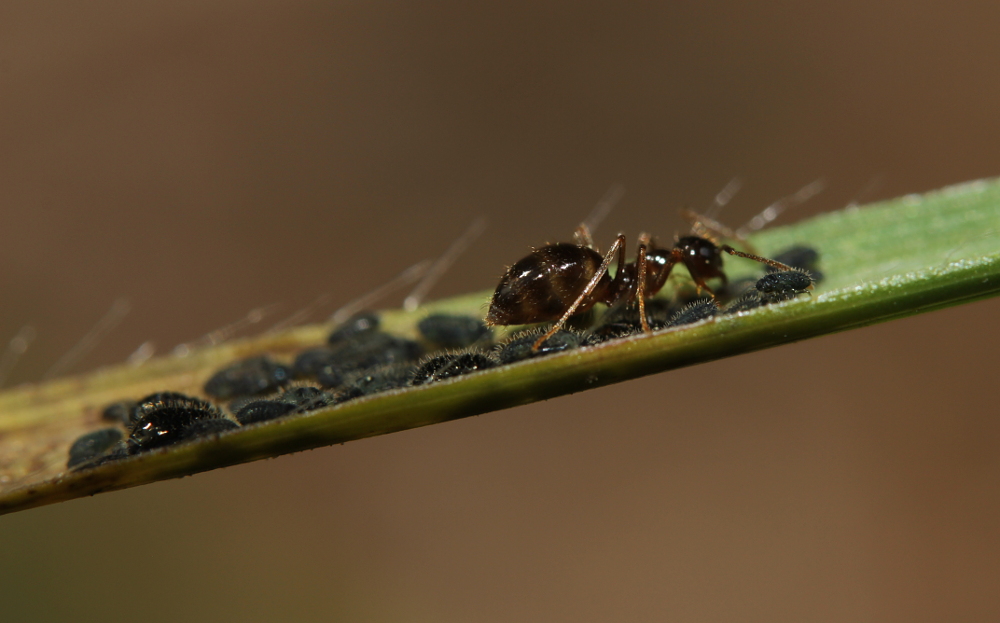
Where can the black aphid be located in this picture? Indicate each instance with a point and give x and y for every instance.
(204, 428)
(93, 445)
(366, 352)
(750, 300)
(333, 376)
(699, 310)
(119, 412)
(450, 331)
(292, 400)
(307, 397)
(310, 361)
(162, 422)
(625, 321)
(382, 379)
(263, 410)
(356, 325)
(255, 375)
(784, 285)
(519, 347)
(805, 258)
(450, 365)
(733, 290)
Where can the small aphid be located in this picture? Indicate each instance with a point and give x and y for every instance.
(804, 258)
(382, 379)
(292, 400)
(119, 412)
(205, 428)
(440, 367)
(450, 331)
(624, 322)
(163, 422)
(781, 286)
(734, 289)
(750, 300)
(522, 345)
(698, 310)
(154, 401)
(333, 376)
(309, 362)
(93, 445)
(358, 324)
(262, 411)
(255, 375)
(365, 352)
(305, 397)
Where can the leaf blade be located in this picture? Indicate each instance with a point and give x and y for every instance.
(885, 261)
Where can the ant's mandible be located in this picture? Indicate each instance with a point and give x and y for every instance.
(556, 281)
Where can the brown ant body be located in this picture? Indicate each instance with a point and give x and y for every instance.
(557, 281)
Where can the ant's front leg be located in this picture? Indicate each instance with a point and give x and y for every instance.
(641, 286)
(763, 260)
(618, 246)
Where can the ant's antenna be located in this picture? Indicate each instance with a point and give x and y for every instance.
(141, 355)
(406, 277)
(723, 197)
(18, 344)
(119, 309)
(604, 207)
(224, 333)
(774, 210)
(443, 263)
(873, 184)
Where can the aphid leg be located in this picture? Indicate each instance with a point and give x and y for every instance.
(582, 236)
(619, 247)
(641, 289)
(763, 260)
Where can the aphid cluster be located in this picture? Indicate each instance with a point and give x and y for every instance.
(558, 284)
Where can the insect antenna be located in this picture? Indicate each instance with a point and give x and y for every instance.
(119, 309)
(774, 210)
(443, 263)
(408, 276)
(15, 349)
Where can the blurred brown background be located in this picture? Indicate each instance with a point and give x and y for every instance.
(205, 158)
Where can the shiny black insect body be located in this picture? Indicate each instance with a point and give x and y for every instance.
(440, 367)
(558, 281)
(255, 375)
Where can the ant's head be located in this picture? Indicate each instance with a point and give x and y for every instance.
(699, 254)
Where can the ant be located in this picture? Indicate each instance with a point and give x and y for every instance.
(560, 280)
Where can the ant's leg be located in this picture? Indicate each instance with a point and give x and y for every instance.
(763, 260)
(618, 246)
(641, 288)
(709, 228)
(676, 257)
(582, 236)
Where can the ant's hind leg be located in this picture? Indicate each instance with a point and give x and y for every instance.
(619, 247)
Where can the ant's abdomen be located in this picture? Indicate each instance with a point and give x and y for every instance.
(543, 285)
